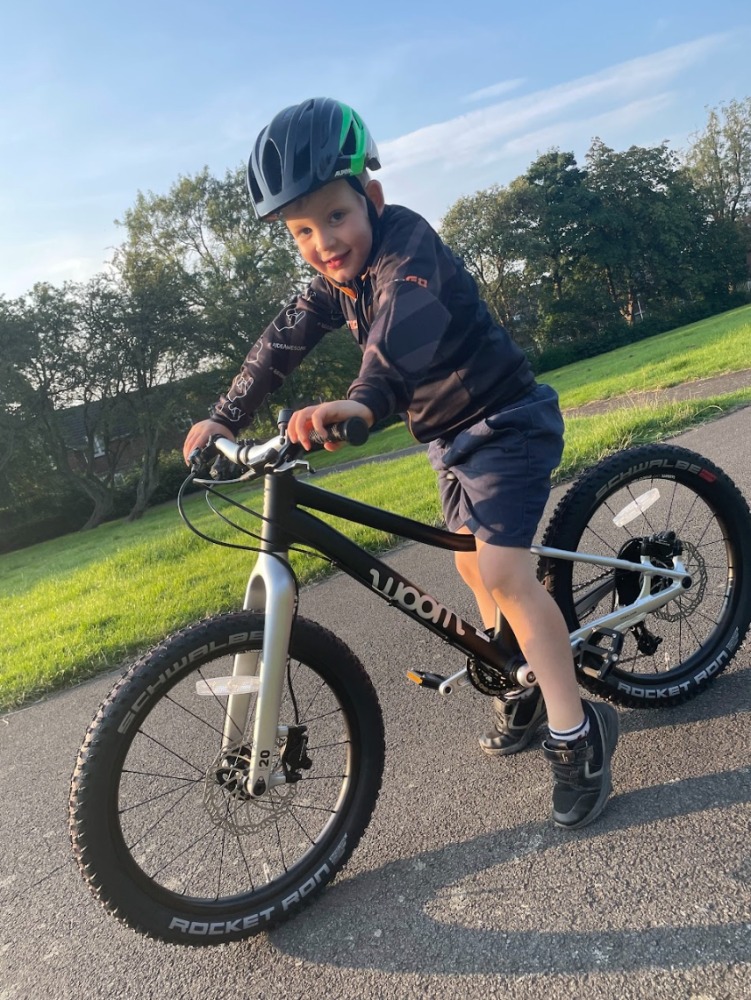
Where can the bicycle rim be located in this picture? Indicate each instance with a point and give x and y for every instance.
(676, 650)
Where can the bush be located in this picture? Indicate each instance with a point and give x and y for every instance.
(32, 521)
(172, 474)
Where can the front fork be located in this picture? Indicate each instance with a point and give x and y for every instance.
(272, 591)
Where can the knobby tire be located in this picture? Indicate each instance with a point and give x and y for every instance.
(179, 854)
(683, 646)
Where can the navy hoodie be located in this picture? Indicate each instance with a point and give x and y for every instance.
(430, 348)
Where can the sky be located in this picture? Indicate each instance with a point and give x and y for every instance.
(101, 101)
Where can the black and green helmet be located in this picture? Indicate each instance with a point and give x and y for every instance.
(305, 147)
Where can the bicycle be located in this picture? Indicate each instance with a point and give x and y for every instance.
(231, 772)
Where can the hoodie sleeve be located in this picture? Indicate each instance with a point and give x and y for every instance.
(277, 352)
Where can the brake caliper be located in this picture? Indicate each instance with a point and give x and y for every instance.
(294, 756)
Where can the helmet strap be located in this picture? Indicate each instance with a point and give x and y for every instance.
(373, 217)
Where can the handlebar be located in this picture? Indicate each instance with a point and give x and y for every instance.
(274, 452)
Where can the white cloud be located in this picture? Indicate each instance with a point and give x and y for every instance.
(571, 132)
(67, 257)
(461, 140)
(494, 91)
(58, 207)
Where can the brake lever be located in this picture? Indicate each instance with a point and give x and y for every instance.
(223, 469)
(199, 460)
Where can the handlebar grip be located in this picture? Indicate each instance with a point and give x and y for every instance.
(354, 431)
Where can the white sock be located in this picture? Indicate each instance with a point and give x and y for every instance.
(571, 735)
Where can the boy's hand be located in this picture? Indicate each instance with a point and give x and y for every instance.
(199, 435)
(319, 417)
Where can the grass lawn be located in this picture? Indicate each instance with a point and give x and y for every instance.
(712, 347)
(77, 605)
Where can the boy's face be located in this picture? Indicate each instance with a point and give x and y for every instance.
(332, 230)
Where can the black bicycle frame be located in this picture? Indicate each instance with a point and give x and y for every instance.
(285, 523)
(272, 589)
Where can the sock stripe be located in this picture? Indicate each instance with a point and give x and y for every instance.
(571, 735)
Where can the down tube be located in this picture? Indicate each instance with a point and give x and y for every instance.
(392, 587)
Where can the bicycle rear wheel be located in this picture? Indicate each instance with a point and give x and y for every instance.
(161, 825)
(676, 651)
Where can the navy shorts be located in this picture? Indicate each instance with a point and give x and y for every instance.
(494, 477)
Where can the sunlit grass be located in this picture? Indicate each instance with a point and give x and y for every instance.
(712, 347)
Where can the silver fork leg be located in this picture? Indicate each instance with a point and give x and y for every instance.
(271, 589)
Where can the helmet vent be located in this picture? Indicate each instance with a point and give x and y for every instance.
(349, 148)
(255, 192)
(304, 148)
(301, 165)
(272, 167)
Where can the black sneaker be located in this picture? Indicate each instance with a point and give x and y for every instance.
(516, 722)
(581, 770)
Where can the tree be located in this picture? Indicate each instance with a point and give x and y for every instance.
(236, 272)
(555, 203)
(641, 227)
(719, 162)
(484, 230)
(55, 373)
(555, 206)
(154, 342)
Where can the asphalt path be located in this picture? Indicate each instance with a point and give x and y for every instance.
(457, 889)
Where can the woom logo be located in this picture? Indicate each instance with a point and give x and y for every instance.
(411, 599)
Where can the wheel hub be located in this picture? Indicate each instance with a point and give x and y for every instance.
(689, 600)
(230, 805)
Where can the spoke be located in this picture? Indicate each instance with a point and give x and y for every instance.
(309, 808)
(156, 823)
(158, 775)
(712, 620)
(328, 746)
(192, 714)
(174, 753)
(278, 832)
(325, 777)
(159, 795)
(186, 878)
(184, 851)
(299, 823)
(221, 862)
(245, 862)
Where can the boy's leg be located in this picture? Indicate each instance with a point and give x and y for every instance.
(518, 715)
(494, 479)
(582, 735)
(508, 575)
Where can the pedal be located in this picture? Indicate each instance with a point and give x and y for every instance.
(605, 646)
(425, 679)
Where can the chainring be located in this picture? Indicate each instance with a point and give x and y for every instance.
(486, 679)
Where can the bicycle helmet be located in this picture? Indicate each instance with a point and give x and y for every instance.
(304, 147)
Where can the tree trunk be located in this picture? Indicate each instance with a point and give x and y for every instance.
(148, 480)
(103, 506)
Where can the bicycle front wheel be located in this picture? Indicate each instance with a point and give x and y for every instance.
(677, 650)
(161, 824)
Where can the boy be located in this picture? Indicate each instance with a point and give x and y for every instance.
(432, 351)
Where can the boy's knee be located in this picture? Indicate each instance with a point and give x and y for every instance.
(505, 570)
